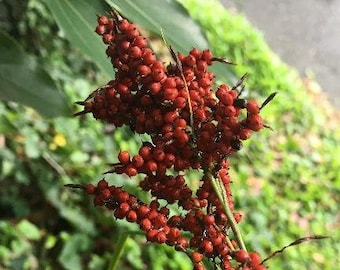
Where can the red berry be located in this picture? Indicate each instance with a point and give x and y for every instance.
(245, 133)
(137, 161)
(255, 122)
(171, 116)
(230, 111)
(260, 267)
(124, 157)
(174, 233)
(154, 204)
(252, 107)
(105, 194)
(143, 211)
(223, 94)
(218, 240)
(160, 221)
(108, 38)
(169, 82)
(149, 57)
(123, 25)
(102, 184)
(144, 70)
(238, 217)
(195, 52)
(90, 189)
(197, 256)
(160, 237)
(180, 102)
(202, 66)
(100, 29)
(241, 256)
(165, 211)
(158, 75)
(206, 246)
(140, 42)
(150, 235)
(135, 52)
(124, 45)
(131, 216)
(204, 82)
(190, 60)
(255, 258)
(98, 201)
(209, 220)
(158, 154)
(182, 244)
(124, 208)
(145, 152)
(153, 214)
(198, 266)
(206, 55)
(130, 170)
(170, 93)
(155, 87)
(102, 20)
(122, 196)
(145, 224)
(151, 165)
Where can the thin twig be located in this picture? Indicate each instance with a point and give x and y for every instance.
(54, 164)
(223, 60)
(296, 242)
(268, 99)
(75, 186)
(180, 68)
(240, 81)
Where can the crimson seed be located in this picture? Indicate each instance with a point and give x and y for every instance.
(241, 256)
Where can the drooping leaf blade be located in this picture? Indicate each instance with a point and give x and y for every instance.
(32, 86)
(168, 16)
(77, 19)
(171, 18)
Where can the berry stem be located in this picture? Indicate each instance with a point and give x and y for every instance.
(180, 68)
(220, 192)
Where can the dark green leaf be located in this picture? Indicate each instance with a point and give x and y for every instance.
(180, 31)
(77, 18)
(22, 83)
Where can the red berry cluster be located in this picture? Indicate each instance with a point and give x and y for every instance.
(191, 126)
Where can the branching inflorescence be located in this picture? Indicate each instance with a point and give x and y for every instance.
(192, 127)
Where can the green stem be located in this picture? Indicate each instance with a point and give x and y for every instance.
(218, 186)
(119, 251)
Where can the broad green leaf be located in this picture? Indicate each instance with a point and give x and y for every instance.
(21, 82)
(77, 19)
(29, 230)
(169, 16)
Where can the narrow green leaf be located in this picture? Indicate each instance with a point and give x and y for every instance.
(168, 16)
(22, 83)
(119, 250)
(77, 19)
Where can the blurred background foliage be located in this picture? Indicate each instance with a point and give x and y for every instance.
(286, 181)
